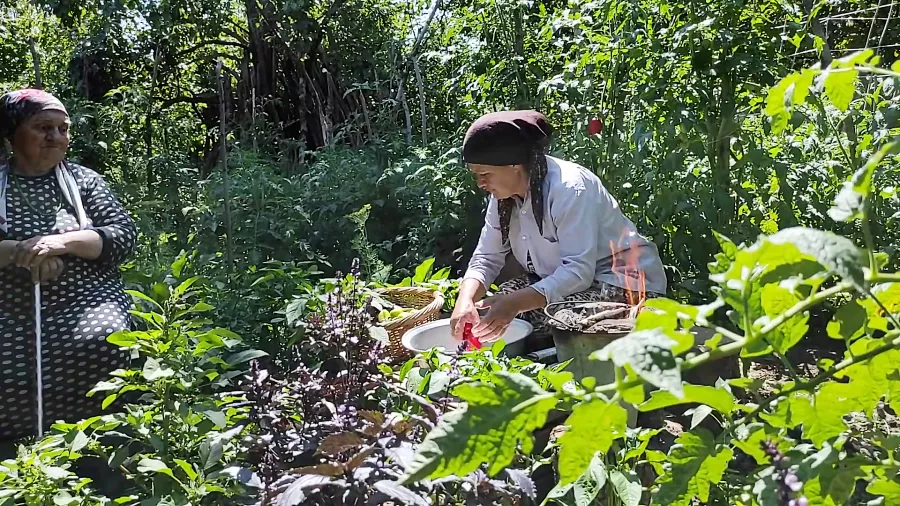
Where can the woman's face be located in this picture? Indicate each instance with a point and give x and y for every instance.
(501, 181)
(42, 140)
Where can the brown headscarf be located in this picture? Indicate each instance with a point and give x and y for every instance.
(512, 138)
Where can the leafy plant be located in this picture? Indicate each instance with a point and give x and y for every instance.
(769, 288)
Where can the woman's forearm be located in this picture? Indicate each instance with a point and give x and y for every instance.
(527, 299)
(7, 253)
(471, 290)
(86, 244)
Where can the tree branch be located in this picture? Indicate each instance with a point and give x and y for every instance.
(206, 43)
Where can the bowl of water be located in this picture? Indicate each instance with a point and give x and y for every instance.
(437, 334)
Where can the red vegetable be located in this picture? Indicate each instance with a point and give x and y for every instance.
(470, 339)
(595, 126)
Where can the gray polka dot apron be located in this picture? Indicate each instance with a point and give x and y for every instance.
(79, 309)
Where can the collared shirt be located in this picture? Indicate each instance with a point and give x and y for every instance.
(586, 239)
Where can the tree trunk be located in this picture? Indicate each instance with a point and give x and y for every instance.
(36, 63)
(422, 107)
(229, 232)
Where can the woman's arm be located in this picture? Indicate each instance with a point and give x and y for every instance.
(115, 231)
(7, 253)
(489, 256)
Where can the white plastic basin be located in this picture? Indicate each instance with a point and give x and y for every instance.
(437, 334)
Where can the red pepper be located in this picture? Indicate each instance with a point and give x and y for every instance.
(470, 339)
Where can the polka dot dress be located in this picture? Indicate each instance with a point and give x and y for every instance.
(79, 309)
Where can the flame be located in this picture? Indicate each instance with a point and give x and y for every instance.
(634, 278)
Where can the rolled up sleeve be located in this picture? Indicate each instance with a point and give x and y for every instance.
(490, 254)
(578, 213)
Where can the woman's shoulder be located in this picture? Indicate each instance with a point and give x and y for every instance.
(82, 173)
(565, 176)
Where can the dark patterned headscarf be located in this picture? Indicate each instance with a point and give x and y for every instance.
(512, 138)
(18, 106)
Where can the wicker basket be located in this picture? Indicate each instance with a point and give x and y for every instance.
(428, 304)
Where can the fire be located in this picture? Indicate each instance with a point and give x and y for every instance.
(635, 280)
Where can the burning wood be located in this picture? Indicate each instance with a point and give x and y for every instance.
(602, 315)
(609, 317)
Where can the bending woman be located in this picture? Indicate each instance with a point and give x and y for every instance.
(557, 219)
(60, 226)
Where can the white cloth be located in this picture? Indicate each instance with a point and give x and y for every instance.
(583, 227)
(67, 185)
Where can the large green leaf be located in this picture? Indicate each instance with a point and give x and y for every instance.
(717, 398)
(749, 439)
(775, 301)
(724, 258)
(848, 322)
(153, 370)
(627, 486)
(778, 102)
(829, 477)
(823, 416)
(499, 416)
(589, 484)
(875, 378)
(888, 294)
(697, 464)
(836, 253)
(840, 85)
(890, 489)
(649, 354)
(850, 202)
(154, 466)
(593, 426)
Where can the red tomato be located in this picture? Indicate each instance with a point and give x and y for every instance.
(595, 126)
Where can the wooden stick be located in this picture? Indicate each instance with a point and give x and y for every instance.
(602, 315)
(636, 309)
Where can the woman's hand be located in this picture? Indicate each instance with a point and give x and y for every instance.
(464, 312)
(48, 269)
(32, 252)
(502, 311)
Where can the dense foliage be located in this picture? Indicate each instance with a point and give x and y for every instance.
(264, 146)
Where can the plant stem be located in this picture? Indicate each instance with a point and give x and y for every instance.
(789, 366)
(867, 234)
(883, 277)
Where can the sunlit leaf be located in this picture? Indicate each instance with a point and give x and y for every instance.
(719, 399)
(153, 370)
(649, 354)
(775, 301)
(627, 486)
(697, 464)
(840, 85)
(850, 202)
(593, 426)
(590, 483)
(499, 417)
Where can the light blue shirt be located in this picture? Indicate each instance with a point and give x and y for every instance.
(583, 227)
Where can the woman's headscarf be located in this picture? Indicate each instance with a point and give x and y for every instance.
(512, 138)
(18, 106)
(15, 108)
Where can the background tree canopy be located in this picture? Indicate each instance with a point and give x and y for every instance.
(330, 106)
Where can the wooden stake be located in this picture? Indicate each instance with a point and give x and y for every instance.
(36, 63)
(229, 248)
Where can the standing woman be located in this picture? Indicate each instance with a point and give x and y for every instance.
(557, 219)
(62, 227)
